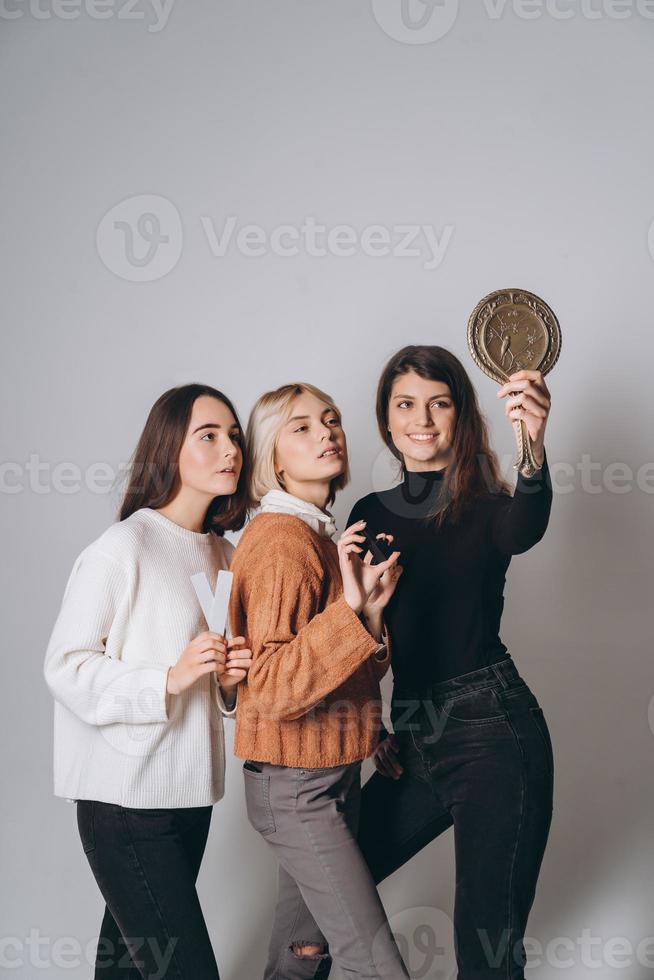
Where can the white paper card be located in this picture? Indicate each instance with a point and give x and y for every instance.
(214, 606)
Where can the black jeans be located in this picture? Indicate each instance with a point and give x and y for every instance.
(477, 755)
(146, 863)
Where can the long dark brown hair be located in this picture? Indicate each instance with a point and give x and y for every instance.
(154, 478)
(474, 471)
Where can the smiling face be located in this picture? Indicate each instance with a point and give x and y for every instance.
(210, 459)
(421, 420)
(311, 449)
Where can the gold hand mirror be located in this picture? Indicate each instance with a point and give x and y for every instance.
(513, 330)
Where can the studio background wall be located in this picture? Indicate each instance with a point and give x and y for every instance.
(167, 171)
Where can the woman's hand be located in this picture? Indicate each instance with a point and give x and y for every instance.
(239, 661)
(386, 758)
(385, 587)
(205, 654)
(531, 404)
(360, 579)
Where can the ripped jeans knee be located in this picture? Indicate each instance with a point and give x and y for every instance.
(309, 950)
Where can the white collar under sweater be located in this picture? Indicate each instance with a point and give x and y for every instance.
(281, 502)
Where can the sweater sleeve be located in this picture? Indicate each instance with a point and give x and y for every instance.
(226, 712)
(381, 660)
(100, 689)
(522, 520)
(219, 696)
(299, 655)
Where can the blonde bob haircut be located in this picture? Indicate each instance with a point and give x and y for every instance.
(271, 411)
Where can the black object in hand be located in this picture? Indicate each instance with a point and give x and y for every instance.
(380, 548)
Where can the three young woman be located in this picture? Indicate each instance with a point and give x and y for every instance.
(471, 747)
(141, 686)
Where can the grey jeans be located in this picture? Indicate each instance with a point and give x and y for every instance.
(310, 819)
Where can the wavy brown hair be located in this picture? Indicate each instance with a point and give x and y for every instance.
(153, 476)
(474, 471)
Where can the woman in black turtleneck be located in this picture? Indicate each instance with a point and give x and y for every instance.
(444, 616)
(471, 747)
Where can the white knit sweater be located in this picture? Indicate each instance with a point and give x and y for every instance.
(128, 612)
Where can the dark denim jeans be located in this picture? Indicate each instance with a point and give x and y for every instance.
(477, 755)
(146, 863)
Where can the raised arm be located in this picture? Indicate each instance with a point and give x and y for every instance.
(100, 689)
(521, 521)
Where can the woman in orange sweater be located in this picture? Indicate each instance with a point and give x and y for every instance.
(310, 710)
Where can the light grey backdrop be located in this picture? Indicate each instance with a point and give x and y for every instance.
(505, 144)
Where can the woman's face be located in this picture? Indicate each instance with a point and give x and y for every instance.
(210, 459)
(311, 446)
(421, 420)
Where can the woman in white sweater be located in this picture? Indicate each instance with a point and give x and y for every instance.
(141, 686)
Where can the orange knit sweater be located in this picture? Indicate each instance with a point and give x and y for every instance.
(311, 697)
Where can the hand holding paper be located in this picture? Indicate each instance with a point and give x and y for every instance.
(238, 658)
(205, 654)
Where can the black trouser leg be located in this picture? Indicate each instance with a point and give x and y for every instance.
(146, 863)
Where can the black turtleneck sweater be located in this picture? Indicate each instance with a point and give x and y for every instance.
(444, 616)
